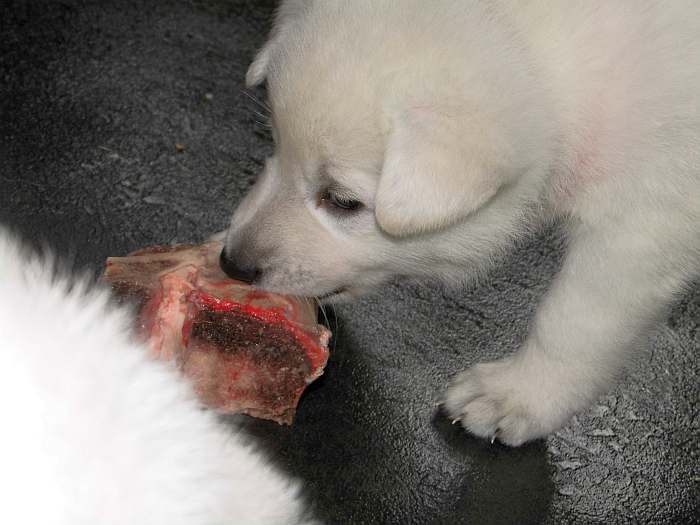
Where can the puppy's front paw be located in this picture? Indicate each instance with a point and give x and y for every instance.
(495, 400)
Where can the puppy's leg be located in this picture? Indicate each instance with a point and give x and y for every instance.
(613, 286)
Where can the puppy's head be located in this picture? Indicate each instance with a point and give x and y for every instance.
(385, 164)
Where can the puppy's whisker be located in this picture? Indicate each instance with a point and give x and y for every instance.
(328, 322)
(260, 103)
(323, 310)
(335, 316)
(265, 118)
(265, 124)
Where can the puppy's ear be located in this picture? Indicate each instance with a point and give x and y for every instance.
(287, 12)
(257, 71)
(435, 173)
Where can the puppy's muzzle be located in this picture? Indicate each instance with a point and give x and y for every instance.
(236, 269)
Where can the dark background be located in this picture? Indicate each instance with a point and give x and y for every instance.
(93, 98)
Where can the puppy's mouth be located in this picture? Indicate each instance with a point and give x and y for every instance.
(334, 295)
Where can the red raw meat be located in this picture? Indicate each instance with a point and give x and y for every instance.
(245, 350)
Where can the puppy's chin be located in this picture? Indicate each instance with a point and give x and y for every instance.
(346, 294)
(342, 294)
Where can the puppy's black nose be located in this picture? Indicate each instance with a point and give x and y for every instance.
(235, 270)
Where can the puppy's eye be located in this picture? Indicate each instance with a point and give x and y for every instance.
(339, 201)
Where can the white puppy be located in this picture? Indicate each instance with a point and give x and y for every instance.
(421, 138)
(94, 432)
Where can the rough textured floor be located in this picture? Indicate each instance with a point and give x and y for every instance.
(94, 97)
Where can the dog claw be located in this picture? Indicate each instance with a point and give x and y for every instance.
(455, 420)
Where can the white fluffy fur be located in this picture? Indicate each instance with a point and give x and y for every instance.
(94, 432)
(462, 125)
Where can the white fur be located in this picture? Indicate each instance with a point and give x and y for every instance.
(464, 125)
(94, 432)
